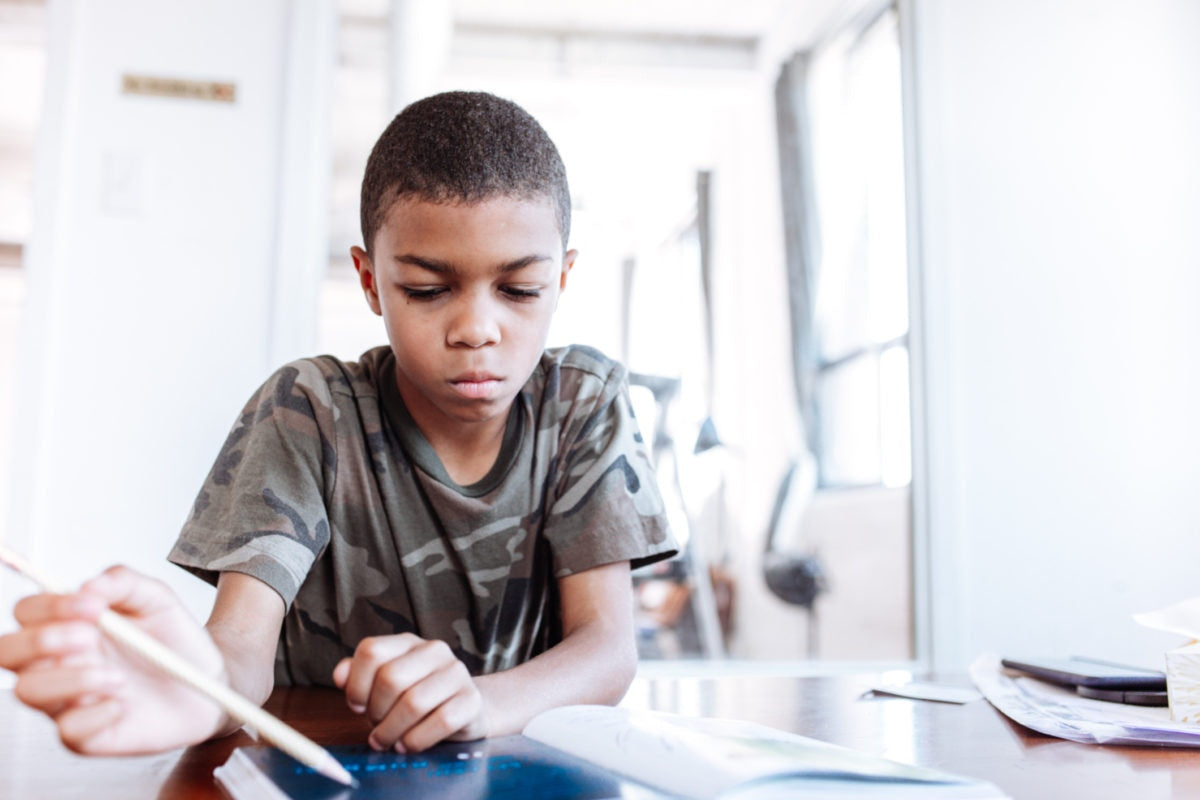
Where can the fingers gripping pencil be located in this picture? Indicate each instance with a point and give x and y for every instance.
(269, 727)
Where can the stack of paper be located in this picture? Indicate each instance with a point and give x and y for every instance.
(1056, 711)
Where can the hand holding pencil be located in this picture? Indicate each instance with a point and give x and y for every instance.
(151, 682)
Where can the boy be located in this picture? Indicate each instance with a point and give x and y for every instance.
(443, 529)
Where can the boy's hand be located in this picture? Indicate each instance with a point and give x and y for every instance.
(104, 699)
(414, 691)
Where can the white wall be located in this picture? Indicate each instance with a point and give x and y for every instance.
(167, 268)
(1059, 191)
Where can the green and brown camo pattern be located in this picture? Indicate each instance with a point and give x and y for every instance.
(326, 491)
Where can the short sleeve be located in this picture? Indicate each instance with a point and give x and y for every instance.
(262, 509)
(607, 505)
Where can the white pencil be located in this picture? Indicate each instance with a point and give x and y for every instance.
(271, 728)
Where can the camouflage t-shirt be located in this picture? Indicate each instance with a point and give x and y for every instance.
(327, 491)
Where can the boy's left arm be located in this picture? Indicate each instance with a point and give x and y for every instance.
(417, 693)
(594, 662)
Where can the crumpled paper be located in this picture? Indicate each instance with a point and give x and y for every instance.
(1182, 663)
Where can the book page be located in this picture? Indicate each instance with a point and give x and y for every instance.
(641, 748)
(699, 758)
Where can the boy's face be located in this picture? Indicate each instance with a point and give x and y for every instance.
(466, 293)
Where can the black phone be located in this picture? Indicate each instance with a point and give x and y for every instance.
(1091, 673)
(1132, 697)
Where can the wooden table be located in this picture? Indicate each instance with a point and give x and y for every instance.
(971, 739)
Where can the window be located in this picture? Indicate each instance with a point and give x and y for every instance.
(860, 317)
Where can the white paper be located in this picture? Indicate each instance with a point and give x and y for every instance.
(1182, 618)
(924, 690)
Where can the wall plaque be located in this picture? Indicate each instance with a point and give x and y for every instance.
(178, 87)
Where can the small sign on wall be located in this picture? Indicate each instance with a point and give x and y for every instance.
(178, 87)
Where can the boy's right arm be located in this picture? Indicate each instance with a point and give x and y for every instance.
(244, 624)
(108, 702)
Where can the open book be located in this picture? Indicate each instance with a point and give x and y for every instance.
(604, 752)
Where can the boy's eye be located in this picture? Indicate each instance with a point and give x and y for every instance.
(423, 292)
(522, 292)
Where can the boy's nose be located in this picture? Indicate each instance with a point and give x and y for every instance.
(474, 325)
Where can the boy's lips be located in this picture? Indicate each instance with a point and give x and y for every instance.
(476, 384)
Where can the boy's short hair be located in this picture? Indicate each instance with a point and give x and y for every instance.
(462, 147)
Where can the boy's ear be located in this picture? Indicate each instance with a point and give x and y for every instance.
(366, 278)
(568, 262)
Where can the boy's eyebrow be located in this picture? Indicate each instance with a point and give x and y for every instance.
(447, 268)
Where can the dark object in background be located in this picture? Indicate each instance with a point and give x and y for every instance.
(794, 577)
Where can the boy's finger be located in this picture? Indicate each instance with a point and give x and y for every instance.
(341, 673)
(372, 653)
(447, 719)
(401, 675)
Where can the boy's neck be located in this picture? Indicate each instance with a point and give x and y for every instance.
(470, 451)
